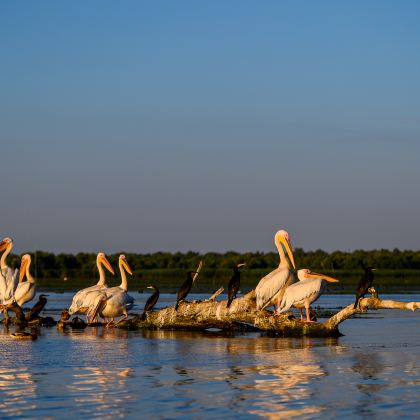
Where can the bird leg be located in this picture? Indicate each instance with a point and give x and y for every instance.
(301, 314)
(122, 319)
(308, 318)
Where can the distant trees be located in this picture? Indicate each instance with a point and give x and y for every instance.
(83, 265)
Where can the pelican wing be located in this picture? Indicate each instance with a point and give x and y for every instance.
(3, 287)
(270, 285)
(298, 292)
(117, 304)
(11, 278)
(25, 292)
(79, 298)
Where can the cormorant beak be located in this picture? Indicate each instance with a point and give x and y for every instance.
(22, 270)
(127, 268)
(241, 265)
(107, 265)
(374, 269)
(322, 276)
(149, 287)
(289, 250)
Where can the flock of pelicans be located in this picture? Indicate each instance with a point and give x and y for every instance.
(278, 288)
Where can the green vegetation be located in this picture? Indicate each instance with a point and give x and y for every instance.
(397, 270)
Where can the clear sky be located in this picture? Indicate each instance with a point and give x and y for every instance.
(208, 125)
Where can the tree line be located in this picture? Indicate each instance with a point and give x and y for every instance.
(83, 265)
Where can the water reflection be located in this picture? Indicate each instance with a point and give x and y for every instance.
(111, 373)
(17, 392)
(263, 376)
(370, 368)
(99, 391)
(94, 333)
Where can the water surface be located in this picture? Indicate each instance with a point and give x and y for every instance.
(374, 370)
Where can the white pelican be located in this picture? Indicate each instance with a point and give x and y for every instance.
(305, 292)
(84, 299)
(270, 289)
(115, 301)
(25, 290)
(8, 276)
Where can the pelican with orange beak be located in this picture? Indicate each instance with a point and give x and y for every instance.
(83, 299)
(6, 246)
(305, 292)
(114, 301)
(9, 278)
(25, 290)
(270, 289)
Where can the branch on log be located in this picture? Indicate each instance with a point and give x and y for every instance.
(374, 303)
(216, 293)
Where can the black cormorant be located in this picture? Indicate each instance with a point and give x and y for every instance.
(364, 283)
(151, 302)
(37, 308)
(234, 284)
(185, 288)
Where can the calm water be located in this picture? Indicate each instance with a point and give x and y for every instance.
(374, 370)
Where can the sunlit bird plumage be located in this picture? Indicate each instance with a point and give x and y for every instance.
(270, 289)
(302, 294)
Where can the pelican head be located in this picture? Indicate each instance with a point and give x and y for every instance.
(24, 264)
(101, 259)
(282, 238)
(123, 263)
(308, 274)
(5, 243)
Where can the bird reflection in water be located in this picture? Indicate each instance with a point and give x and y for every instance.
(94, 333)
(371, 370)
(265, 376)
(285, 382)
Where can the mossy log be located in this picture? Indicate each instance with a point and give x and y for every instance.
(242, 315)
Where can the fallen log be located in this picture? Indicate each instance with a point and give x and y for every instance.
(242, 315)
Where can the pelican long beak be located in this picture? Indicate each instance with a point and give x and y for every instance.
(322, 276)
(127, 268)
(107, 265)
(289, 251)
(22, 270)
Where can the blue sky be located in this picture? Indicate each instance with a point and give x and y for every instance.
(177, 125)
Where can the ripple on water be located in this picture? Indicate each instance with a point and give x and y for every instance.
(373, 370)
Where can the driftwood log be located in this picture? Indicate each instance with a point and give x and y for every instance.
(242, 315)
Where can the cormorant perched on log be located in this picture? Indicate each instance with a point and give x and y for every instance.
(37, 308)
(364, 283)
(185, 288)
(234, 284)
(151, 302)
